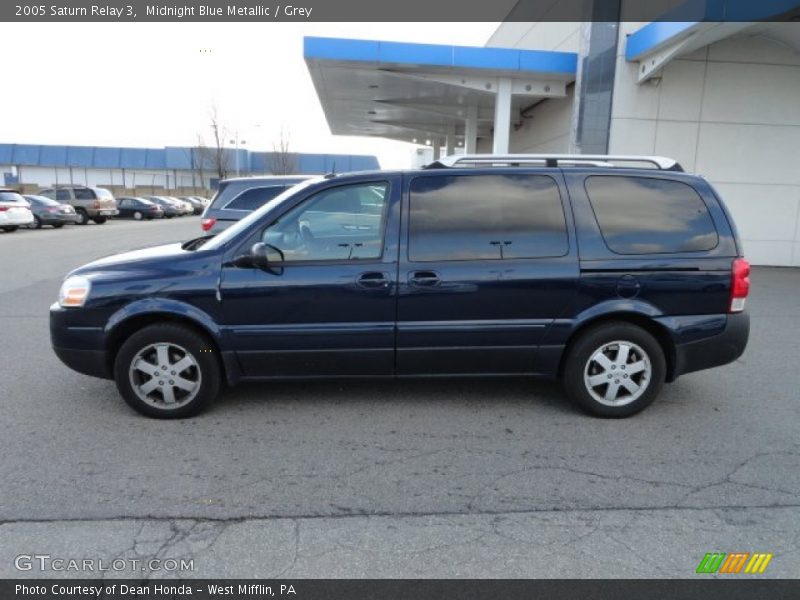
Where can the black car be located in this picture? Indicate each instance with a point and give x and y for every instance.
(133, 207)
(235, 198)
(49, 212)
(168, 206)
(600, 271)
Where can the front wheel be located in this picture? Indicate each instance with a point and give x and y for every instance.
(614, 370)
(137, 216)
(83, 217)
(11, 229)
(167, 371)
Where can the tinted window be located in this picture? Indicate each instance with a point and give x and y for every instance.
(42, 201)
(62, 195)
(84, 194)
(102, 193)
(643, 215)
(253, 198)
(462, 217)
(341, 223)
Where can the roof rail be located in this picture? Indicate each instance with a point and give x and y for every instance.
(553, 160)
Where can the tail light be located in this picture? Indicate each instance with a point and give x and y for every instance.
(740, 285)
(4, 208)
(53, 209)
(207, 224)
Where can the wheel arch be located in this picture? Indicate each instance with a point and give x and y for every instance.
(121, 326)
(658, 331)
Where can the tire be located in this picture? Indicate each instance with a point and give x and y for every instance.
(173, 344)
(11, 229)
(619, 391)
(57, 225)
(83, 218)
(137, 215)
(99, 220)
(37, 223)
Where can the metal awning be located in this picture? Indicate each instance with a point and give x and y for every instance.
(435, 93)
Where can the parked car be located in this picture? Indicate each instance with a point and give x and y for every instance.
(237, 197)
(90, 203)
(136, 208)
(14, 210)
(197, 206)
(614, 278)
(168, 206)
(49, 212)
(186, 207)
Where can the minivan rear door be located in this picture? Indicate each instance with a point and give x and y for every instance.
(488, 260)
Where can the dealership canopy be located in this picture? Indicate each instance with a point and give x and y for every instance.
(428, 93)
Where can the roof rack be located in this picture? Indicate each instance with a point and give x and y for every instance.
(553, 160)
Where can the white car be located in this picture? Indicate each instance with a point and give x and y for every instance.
(14, 211)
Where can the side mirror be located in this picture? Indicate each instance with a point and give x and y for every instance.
(262, 256)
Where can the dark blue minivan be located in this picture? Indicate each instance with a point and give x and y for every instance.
(614, 274)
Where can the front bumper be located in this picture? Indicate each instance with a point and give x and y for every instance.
(79, 345)
(719, 349)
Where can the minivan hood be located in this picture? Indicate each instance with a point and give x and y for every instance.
(135, 258)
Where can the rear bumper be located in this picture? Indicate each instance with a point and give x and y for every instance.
(720, 349)
(50, 218)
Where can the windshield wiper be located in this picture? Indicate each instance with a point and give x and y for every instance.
(196, 242)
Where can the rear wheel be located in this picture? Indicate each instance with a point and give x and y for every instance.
(167, 371)
(58, 225)
(100, 220)
(83, 217)
(11, 229)
(37, 222)
(614, 370)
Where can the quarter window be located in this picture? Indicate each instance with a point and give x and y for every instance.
(485, 217)
(646, 215)
(341, 223)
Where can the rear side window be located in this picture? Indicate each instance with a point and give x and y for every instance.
(643, 215)
(484, 217)
(63, 195)
(254, 198)
(84, 194)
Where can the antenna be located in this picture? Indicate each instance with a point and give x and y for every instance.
(332, 174)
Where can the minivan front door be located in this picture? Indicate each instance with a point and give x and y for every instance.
(487, 262)
(329, 307)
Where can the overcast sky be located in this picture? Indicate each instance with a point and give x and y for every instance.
(149, 84)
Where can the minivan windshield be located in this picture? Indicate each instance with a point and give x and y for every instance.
(232, 231)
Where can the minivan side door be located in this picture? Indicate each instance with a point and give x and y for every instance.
(487, 262)
(328, 308)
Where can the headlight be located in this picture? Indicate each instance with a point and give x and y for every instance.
(74, 292)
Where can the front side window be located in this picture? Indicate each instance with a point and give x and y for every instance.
(341, 223)
(644, 215)
(485, 217)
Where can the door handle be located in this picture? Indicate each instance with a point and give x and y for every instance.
(424, 278)
(373, 279)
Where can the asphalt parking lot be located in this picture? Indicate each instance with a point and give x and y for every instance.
(391, 479)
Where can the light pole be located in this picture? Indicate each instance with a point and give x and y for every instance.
(237, 142)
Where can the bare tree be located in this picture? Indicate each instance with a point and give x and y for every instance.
(284, 162)
(214, 157)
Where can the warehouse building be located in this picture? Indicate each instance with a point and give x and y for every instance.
(173, 170)
(720, 97)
